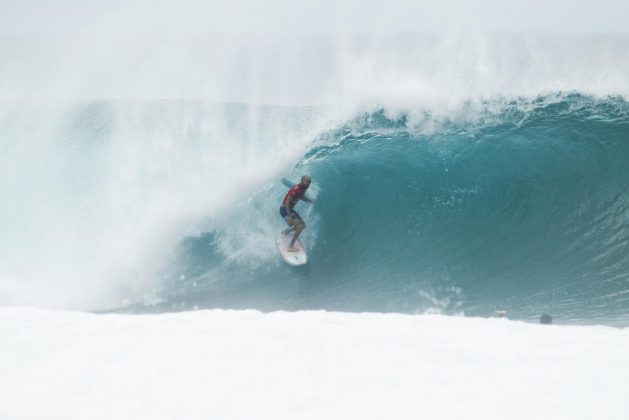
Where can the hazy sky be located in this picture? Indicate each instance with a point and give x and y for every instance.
(313, 16)
(262, 50)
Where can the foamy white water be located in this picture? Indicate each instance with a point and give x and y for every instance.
(306, 365)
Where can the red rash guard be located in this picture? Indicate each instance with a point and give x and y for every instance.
(296, 192)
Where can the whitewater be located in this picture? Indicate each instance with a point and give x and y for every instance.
(470, 176)
(306, 365)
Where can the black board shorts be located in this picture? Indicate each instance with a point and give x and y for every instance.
(293, 213)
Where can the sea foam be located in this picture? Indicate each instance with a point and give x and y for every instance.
(306, 365)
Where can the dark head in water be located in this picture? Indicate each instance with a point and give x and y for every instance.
(546, 319)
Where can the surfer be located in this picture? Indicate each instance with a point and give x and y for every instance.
(288, 213)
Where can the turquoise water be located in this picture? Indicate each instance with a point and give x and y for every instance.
(526, 210)
(517, 205)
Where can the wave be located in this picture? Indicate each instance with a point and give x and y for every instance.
(95, 195)
(525, 210)
(492, 204)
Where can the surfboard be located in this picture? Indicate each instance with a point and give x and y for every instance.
(287, 182)
(293, 258)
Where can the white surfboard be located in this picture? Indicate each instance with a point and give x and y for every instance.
(293, 258)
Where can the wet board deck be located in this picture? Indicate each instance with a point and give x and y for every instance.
(293, 258)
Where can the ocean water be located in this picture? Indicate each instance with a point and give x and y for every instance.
(518, 205)
(455, 175)
(524, 210)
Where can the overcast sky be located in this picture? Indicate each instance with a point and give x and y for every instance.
(313, 16)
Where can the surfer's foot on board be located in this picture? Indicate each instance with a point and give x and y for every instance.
(292, 249)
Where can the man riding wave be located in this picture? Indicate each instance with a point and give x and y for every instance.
(293, 219)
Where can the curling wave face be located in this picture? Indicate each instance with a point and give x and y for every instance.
(526, 210)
